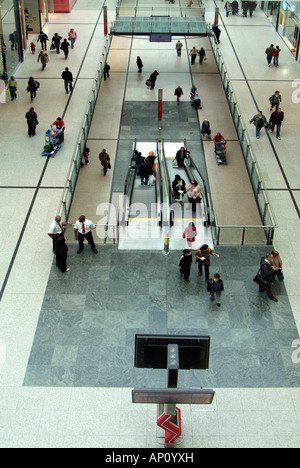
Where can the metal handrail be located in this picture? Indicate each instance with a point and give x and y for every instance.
(238, 120)
(63, 209)
(190, 167)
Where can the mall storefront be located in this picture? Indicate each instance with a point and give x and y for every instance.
(19, 19)
(285, 17)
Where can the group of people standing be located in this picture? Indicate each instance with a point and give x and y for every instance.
(82, 230)
(271, 268)
(272, 53)
(276, 118)
(215, 285)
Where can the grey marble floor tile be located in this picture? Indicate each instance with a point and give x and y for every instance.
(85, 335)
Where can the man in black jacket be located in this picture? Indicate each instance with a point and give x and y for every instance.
(185, 264)
(145, 171)
(267, 272)
(68, 79)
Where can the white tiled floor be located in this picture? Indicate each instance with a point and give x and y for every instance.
(78, 417)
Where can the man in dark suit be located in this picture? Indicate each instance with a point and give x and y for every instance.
(267, 273)
(185, 264)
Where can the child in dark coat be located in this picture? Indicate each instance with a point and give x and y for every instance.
(215, 286)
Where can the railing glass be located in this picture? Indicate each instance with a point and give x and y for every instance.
(254, 234)
(108, 230)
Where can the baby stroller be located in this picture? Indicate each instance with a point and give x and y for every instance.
(53, 142)
(220, 151)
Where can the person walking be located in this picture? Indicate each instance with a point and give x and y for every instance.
(62, 255)
(215, 287)
(56, 42)
(270, 51)
(217, 32)
(203, 255)
(32, 87)
(178, 93)
(32, 121)
(72, 36)
(228, 8)
(181, 155)
(145, 171)
(43, 38)
(82, 229)
(60, 125)
(190, 234)
(106, 71)
(235, 7)
(252, 6)
(185, 264)
(13, 88)
(276, 118)
(193, 54)
(267, 273)
(43, 58)
(139, 64)
(202, 55)
(275, 100)
(179, 189)
(32, 47)
(205, 129)
(276, 56)
(68, 80)
(153, 78)
(65, 48)
(56, 231)
(277, 266)
(105, 161)
(194, 194)
(259, 121)
(178, 48)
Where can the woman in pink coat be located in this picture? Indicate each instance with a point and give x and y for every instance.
(190, 234)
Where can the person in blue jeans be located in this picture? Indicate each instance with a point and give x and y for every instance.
(276, 118)
(215, 287)
(259, 121)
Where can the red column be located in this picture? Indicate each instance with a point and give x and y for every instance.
(160, 104)
(105, 21)
(63, 6)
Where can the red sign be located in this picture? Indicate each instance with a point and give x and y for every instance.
(171, 425)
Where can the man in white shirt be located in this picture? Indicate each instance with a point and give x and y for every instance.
(56, 230)
(82, 229)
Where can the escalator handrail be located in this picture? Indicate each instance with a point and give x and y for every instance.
(167, 190)
(128, 190)
(190, 166)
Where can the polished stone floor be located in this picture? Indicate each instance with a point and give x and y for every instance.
(89, 318)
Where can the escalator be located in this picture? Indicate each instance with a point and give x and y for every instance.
(149, 214)
(181, 216)
(141, 215)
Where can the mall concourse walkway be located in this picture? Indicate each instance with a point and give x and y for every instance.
(48, 396)
(127, 110)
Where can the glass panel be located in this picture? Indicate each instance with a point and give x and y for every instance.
(255, 236)
(9, 58)
(231, 235)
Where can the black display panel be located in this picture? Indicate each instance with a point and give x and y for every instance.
(151, 351)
